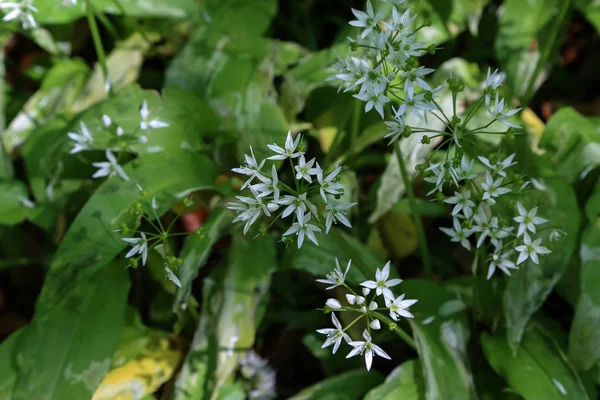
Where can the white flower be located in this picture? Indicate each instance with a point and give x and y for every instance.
(290, 148)
(555, 234)
(329, 184)
(400, 22)
(395, 127)
(497, 234)
(268, 185)
(458, 234)
(22, 10)
(109, 168)
(500, 166)
(527, 219)
(139, 246)
(530, 249)
(249, 209)
(171, 276)
(498, 113)
(334, 304)
(82, 141)
(483, 225)
(493, 189)
(492, 82)
(336, 213)
(501, 261)
(381, 284)
(335, 278)
(154, 123)
(375, 98)
(416, 76)
(367, 20)
(106, 120)
(438, 173)
(251, 168)
(298, 204)
(462, 203)
(304, 169)
(303, 228)
(334, 335)
(399, 307)
(465, 171)
(368, 349)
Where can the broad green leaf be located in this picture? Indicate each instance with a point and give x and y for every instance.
(14, 203)
(449, 18)
(57, 12)
(480, 294)
(404, 382)
(520, 38)
(440, 329)
(236, 78)
(227, 325)
(584, 339)
(538, 370)
(55, 357)
(347, 386)
(196, 250)
(529, 287)
(8, 364)
(240, 17)
(590, 10)
(572, 142)
(91, 241)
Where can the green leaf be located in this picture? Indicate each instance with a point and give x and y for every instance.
(538, 370)
(91, 242)
(347, 386)
(404, 382)
(529, 287)
(227, 325)
(55, 358)
(56, 12)
(590, 10)
(572, 142)
(520, 36)
(241, 17)
(13, 202)
(584, 339)
(196, 250)
(440, 329)
(8, 367)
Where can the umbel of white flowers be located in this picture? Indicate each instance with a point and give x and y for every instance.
(363, 305)
(271, 197)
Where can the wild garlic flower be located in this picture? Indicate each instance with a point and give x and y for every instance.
(257, 378)
(364, 306)
(147, 123)
(138, 246)
(109, 167)
(271, 196)
(81, 141)
(22, 11)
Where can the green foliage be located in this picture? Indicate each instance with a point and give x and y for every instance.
(348, 386)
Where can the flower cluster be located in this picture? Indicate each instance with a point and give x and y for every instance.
(119, 141)
(258, 378)
(146, 210)
(312, 187)
(475, 211)
(21, 11)
(364, 305)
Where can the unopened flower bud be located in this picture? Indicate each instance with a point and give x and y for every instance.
(373, 306)
(420, 167)
(425, 140)
(351, 299)
(360, 300)
(106, 120)
(407, 131)
(272, 207)
(353, 46)
(334, 304)
(440, 196)
(366, 291)
(375, 324)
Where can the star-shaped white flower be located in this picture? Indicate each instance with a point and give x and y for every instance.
(399, 307)
(335, 278)
(527, 219)
(492, 189)
(302, 228)
(22, 10)
(171, 276)
(375, 98)
(251, 168)
(249, 209)
(501, 261)
(298, 204)
(329, 183)
(304, 169)
(334, 335)
(145, 123)
(530, 249)
(458, 234)
(290, 148)
(268, 185)
(109, 168)
(336, 213)
(462, 203)
(381, 284)
(492, 82)
(499, 166)
(367, 20)
(503, 117)
(368, 349)
(83, 140)
(139, 246)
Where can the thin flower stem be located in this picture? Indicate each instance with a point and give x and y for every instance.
(96, 38)
(399, 331)
(415, 210)
(355, 122)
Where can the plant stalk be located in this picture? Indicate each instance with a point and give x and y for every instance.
(399, 331)
(414, 209)
(97, 39)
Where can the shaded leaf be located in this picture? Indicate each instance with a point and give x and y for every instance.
(14, 203)
(347, 386)
(404, 382)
